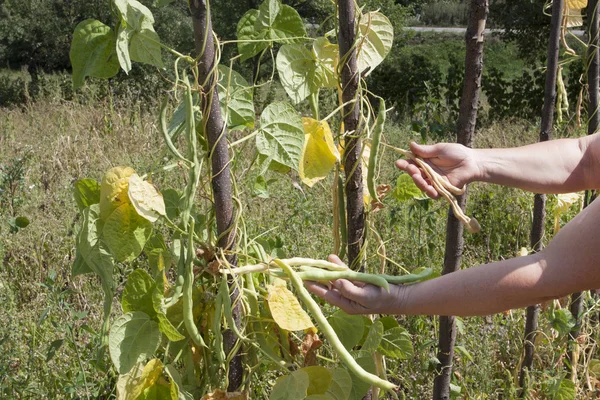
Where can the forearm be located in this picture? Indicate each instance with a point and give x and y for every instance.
(569, 264)
(556, 166)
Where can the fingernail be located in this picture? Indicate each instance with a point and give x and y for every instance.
(337, 284)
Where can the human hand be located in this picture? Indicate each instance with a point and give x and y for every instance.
(454, 161)
(356, 297)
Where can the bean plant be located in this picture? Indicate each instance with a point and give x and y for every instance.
(181, 282)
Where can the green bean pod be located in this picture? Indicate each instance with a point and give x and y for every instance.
(315, 274)
(188, 302)
(165, 131)
(374, 156)
(216, 328)
(329, 333)
(342, 214)
(410, 278)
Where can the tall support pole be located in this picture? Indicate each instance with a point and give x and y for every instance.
(593, 71)
(467, 118)
(216, 132)
(539, 206)
(352, 130)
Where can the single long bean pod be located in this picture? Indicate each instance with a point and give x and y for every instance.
(342, 214)
(315, 263)
(165, 131)
(216, 327)
(188, 284)
(329, 333)
(315, 274)
(410, 278)
(374, 156)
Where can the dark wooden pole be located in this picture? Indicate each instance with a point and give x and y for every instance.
(539, 206)
(352, 142)
(467, 118)
(593, 71)
(216, 132)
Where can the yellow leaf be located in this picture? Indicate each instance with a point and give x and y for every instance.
(576, 4)
(223, 395)
(131, 385)
(319, 153)
(113, 190)
(286, 310)
(147, 201)
(564, 202)
(523, 252)
(573, 17)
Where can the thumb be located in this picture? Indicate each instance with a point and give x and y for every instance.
(424, 150)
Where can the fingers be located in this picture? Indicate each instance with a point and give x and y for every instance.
(418, 177)
(424, 150)
(336, 260)
(333, 297)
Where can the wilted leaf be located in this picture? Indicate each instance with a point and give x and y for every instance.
(287, 311)
(310, 344)
(319, 153)
(145, 198)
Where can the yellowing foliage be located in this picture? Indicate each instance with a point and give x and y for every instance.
(319, 153)
(113, 190)
(145, 198)
(286, 310)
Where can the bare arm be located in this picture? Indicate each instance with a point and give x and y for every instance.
(556, 166)
(570, 263)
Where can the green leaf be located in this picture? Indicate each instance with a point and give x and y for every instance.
(21, 222)
(246, 32)
(79, 266)
(560, 389)
(235, 97)
(319, 379)
(281, 135)
(164, 324)
(464, 352)
(291, 387)
(562, 320)
(172, 199)
(267, 13)
(136, 39)
(375, 40)
(396, 342)
(360, 387)
(93, 250)
(156, 248)
(288, 27)
(296, 67)
(161, 3)
(260, 188)
(374, 337)
(137, 295)
(594, 368)
(86, 193)
(349, 328)
(406, 189)
(341, 384)
(327, 58)
(133, 338)
(53, 348)
(92, 52)
(126, 233)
